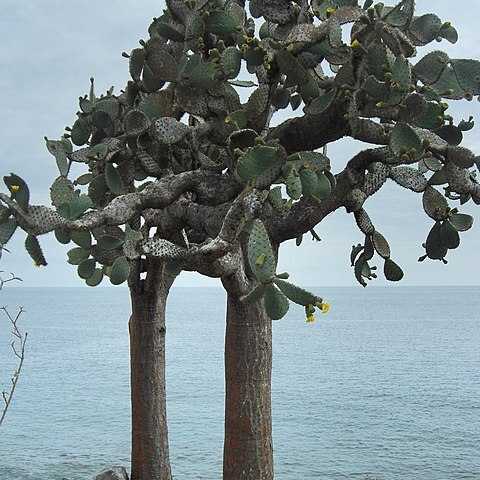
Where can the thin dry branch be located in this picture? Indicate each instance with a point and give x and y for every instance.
(18, 347)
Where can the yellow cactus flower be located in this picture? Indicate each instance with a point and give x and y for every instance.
(15, 188)
(228, 120)
(325, 307)
(355, 43)
(310, 319)
(36, 264)
(330, 10)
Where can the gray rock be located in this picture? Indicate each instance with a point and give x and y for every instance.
(114, 473)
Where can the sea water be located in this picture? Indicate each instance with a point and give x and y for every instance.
(385, 386)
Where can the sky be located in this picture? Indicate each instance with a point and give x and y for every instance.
(50, 49)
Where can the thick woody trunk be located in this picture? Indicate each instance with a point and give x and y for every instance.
(150, 456)
(248, 450)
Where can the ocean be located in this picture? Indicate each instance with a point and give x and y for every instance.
(385, 386)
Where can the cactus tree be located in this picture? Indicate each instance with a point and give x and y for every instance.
(182, 173)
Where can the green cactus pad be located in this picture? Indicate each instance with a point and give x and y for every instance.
(98, 152)
(257, 103)
(61, 192)
(84, 179)
(448, 86)
(281, 97)
(461, 221)
(110, 105)
(158, 104)
(77, 255)
(291, 67)
(296, 294)
(256, 161)
(276, 303)
(58, 150)
(448, 235)
(450, 133)
(86, 269)
(360, 267)
(309, 180)
(293, 184)
(101, 120)
(435, 204)
(136, 61)
(18, 190)
(168, 130)
(425, 29)
(220, 23)
(231, 62)
(258, 244)
(195, 28)
(105, 257)
(324, 187)
(432, 118)
(136, 122)
(254, 56)
(242, 139)
(97, 189)
(275, 198)
(120, 271)
(80, 132)
(404, 137)
(169, 29)
(95, 279)
(254, 295)
(401, 71)
(433, 245)
(376, 58)
(409, 177)
(429, 68)
(86, 106)
(380, 244)
(205, 76)
(364, 222)
(34, 250)
(375, 89)
(460, 156)
(158, 247)
(62, 236)
(151, 83)
(320, 104)
(163, 66)
(438, 178)
(310, 90)
(7, 229)
(356, 250)
(392, 271)
(114, 180)
(82, 238)
(108, 242)
(77, 206)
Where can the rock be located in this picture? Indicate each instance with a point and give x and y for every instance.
(114, 473)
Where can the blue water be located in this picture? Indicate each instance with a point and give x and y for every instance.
(386, 386)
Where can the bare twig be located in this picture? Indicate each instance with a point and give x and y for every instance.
(18, 347)
(13, 277)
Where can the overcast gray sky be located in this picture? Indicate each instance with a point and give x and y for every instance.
(48, 52)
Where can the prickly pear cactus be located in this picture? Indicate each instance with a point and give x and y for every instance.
(188, 163)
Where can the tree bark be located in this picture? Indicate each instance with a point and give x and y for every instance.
(150, 453)
(248, 448)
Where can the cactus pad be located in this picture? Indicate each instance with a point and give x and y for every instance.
(276, 303)
(259, 246)
(34, 250)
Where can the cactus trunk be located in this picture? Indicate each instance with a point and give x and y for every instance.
(248, 450)
(150, 455)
